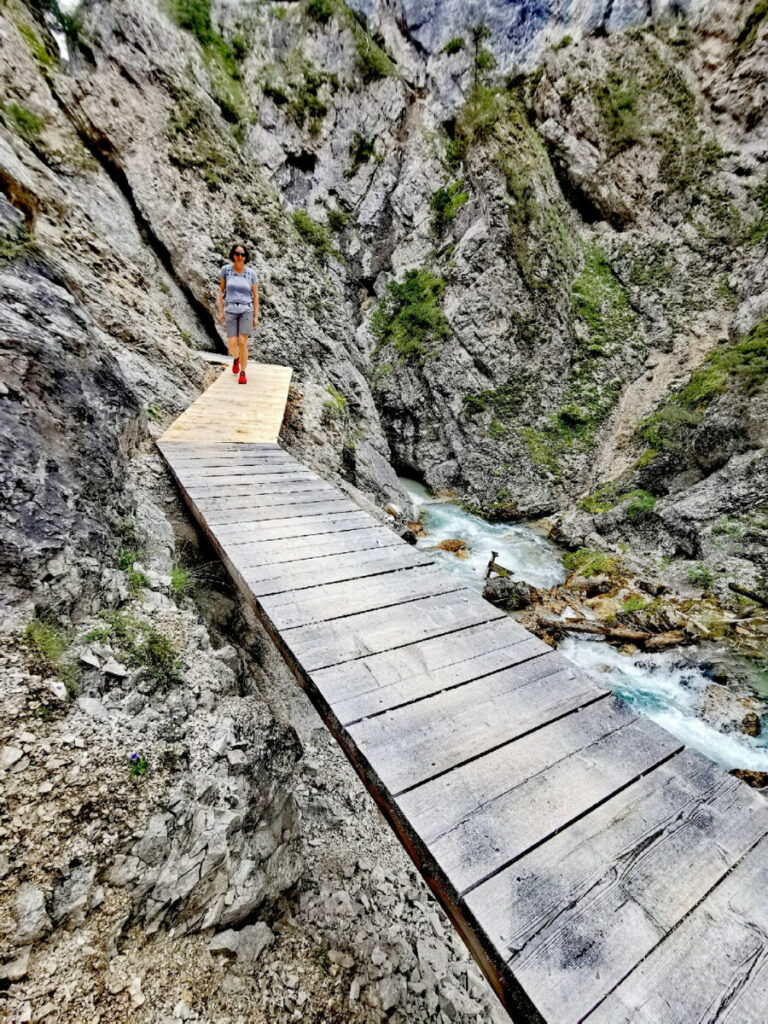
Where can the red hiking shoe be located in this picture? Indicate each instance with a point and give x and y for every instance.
(236, 366)
(242, 378)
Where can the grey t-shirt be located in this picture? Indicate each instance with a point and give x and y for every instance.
(237, 294)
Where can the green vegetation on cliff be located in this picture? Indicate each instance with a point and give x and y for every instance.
(410, 317)
(445, 203)
(24, 122)
(220, 61)
(743, 365)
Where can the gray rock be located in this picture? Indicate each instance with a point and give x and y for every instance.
(507, 593)
(32, 921)
(245, 945)
(9, 756)
(94, 708)
(113, 668)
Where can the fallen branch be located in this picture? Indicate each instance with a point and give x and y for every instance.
(748, 593)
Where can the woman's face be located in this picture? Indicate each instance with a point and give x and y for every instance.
(239, 256)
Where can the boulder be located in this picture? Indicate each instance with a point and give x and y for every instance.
(245, 945)
(507, 593)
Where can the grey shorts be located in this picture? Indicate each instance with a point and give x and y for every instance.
(236, 324)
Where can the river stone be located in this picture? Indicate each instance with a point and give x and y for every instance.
(507, 593)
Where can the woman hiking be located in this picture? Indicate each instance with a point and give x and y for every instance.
(238, 306)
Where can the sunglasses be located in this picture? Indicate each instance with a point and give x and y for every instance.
(238, 252)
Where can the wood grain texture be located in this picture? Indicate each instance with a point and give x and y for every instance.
(595, 869)
(418, 741)
(576, 914)
(329, 643)
(352, 565)
(389, 590)
(528, 790)
(232, 412)
(713, 969)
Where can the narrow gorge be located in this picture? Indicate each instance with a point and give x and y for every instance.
(517, 257)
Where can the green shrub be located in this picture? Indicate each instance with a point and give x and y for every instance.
(701, 576)
(361, 150)
(634, 604)
(37, 47)
(49, 644)
(336, 403)
(445, 204)
(138, 765)
(587, 562)
(239, 46)
(410, 316)
(602, 499)
(23, 121)
(320, 10)
(755, 19)
(141, 646)
(182, 581)
(337, 220)
(617, 105)
(640, 503)
(454, 45)
(316, 234)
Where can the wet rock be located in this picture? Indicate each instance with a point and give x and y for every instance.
(661, 641)
(758, 780)
(507, 593)
(455, 546)
(592, 586)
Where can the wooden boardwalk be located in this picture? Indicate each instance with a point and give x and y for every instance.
(595, 868)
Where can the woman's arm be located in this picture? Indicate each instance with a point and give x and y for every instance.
(255, 292)
(220, 300)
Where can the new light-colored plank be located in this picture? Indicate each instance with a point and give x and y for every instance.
(228, 411)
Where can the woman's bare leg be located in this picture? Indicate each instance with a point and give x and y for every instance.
(233, 346)
(243, 350)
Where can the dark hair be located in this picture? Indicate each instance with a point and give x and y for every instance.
(239, 245)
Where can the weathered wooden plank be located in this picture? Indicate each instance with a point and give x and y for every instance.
(218, 517)
(336, 600)
(328, 643)
(228, 463)
(238, 474)
(274, 552)
(312, 572)
(216, 455)
(419, 741)
(258, 498)
(712, 969)
(292, 526)
(580, 911)
(282, 484)
(387, 680)
(479, 817)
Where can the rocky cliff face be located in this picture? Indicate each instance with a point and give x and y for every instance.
(520, 253)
